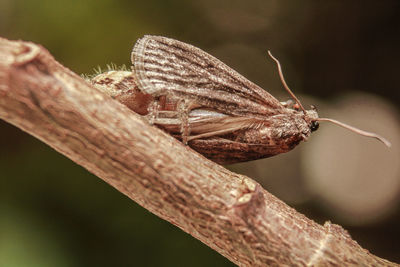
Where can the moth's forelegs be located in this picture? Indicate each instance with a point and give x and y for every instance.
(158, 115)
(153, 109)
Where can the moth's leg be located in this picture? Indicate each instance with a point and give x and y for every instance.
(153, 109)
(184, 108)
(166, 117)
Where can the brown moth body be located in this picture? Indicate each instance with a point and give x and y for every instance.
(203, 102)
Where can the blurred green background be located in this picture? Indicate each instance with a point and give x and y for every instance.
(345, 54)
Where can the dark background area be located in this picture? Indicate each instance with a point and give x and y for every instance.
(340, 55)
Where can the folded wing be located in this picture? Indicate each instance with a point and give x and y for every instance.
(166, 66)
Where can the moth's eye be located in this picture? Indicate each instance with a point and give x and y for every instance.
(314, 126)
(296, 106)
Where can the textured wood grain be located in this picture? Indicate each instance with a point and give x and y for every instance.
(229, 212)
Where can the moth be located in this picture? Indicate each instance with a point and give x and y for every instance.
(204, 103)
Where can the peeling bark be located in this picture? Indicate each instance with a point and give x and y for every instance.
(230, 213)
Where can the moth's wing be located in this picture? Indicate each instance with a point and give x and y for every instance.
(166, 66)
(220, 126)
(206, 123)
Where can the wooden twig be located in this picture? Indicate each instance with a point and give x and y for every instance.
(231, 213)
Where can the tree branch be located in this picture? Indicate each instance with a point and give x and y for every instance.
(229, 212)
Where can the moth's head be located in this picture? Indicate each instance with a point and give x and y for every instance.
(311, 116)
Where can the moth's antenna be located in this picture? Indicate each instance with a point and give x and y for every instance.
(284, 82)
(348, 127)
(358, 131)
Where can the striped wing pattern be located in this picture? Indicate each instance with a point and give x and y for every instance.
(166, 66)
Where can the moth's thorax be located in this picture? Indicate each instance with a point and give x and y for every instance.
(281, 132)
(294, 122)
